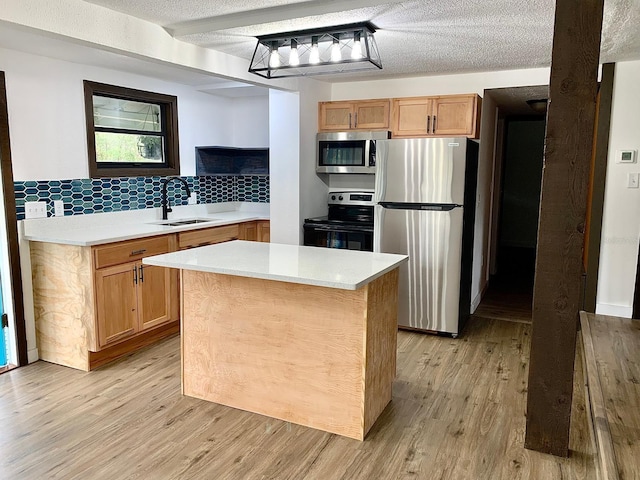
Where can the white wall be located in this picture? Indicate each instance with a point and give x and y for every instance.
(250, 121)
(313, 189)
(485, 203)
(439, 85)
(284, 166)
(45, 99)
(621, 217)
(453, 84)
(86, 24)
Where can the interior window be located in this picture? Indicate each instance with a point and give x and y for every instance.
(130, 132)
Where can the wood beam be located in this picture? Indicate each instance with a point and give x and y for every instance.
(557, 288)
(269, 15)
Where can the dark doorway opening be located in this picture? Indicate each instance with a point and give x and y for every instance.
(521, 144)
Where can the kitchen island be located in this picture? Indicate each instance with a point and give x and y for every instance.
(302, 334)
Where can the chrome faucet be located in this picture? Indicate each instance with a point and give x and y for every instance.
(165, 201)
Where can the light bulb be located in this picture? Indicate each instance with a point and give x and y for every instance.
(274, 58)
(356, 51)
(336, 54)
(314, 55)
(294, 59)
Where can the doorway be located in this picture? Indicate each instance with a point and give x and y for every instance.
(519, 152)
(512, 281)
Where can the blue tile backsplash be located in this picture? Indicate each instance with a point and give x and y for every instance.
(83, 196)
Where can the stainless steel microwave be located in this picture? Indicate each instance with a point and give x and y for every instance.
(348, 152)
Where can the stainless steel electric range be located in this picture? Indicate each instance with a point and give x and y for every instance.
(349, 223)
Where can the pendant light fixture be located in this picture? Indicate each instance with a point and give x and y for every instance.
(314, 55)
(336, 54)
(330, 50)
(274, 56)
(294, 58)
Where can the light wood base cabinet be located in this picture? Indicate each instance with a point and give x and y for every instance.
(264, 231)
(85, 314)
(94, 304)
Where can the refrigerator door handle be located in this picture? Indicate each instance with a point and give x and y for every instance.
(439, 207)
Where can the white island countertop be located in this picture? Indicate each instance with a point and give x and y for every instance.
(323, 267)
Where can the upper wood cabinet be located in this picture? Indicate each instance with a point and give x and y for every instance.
(449, 115)
(353, 115)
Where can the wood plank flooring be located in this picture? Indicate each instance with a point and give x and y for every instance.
(616, 343)
(499, 304)
(458, 412)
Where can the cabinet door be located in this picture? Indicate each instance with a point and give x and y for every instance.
(335, 116)
(116, 303)
(371, 115)
(154, 295)
(249, 231)
(264, 231)
(411, 117)
(454, 115)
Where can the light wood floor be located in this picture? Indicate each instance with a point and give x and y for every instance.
(616, 343)
(457, 413)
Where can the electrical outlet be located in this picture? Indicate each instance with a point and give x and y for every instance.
(193, 198)
(35, 209)
(58, 208)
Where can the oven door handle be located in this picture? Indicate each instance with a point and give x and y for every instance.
(325, 228)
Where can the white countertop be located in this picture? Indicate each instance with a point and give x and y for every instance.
(100, 228)
(323, 267)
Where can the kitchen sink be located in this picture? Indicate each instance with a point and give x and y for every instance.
(187, 221)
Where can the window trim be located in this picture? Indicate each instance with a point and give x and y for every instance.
(169, 109)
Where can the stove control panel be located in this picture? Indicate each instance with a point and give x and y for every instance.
(351, 198)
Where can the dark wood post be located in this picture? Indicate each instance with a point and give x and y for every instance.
(567, 156)
(6, 177)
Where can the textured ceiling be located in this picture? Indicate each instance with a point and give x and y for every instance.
(414, 37)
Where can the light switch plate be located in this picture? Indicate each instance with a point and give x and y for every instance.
(58, 208)
(35, 209)
(632, 180)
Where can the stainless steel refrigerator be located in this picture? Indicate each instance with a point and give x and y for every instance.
(425, 207)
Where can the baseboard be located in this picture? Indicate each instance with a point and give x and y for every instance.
(33, 355)
(614, 310)
(475, 303)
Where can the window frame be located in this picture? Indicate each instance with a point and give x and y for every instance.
(169, 112)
